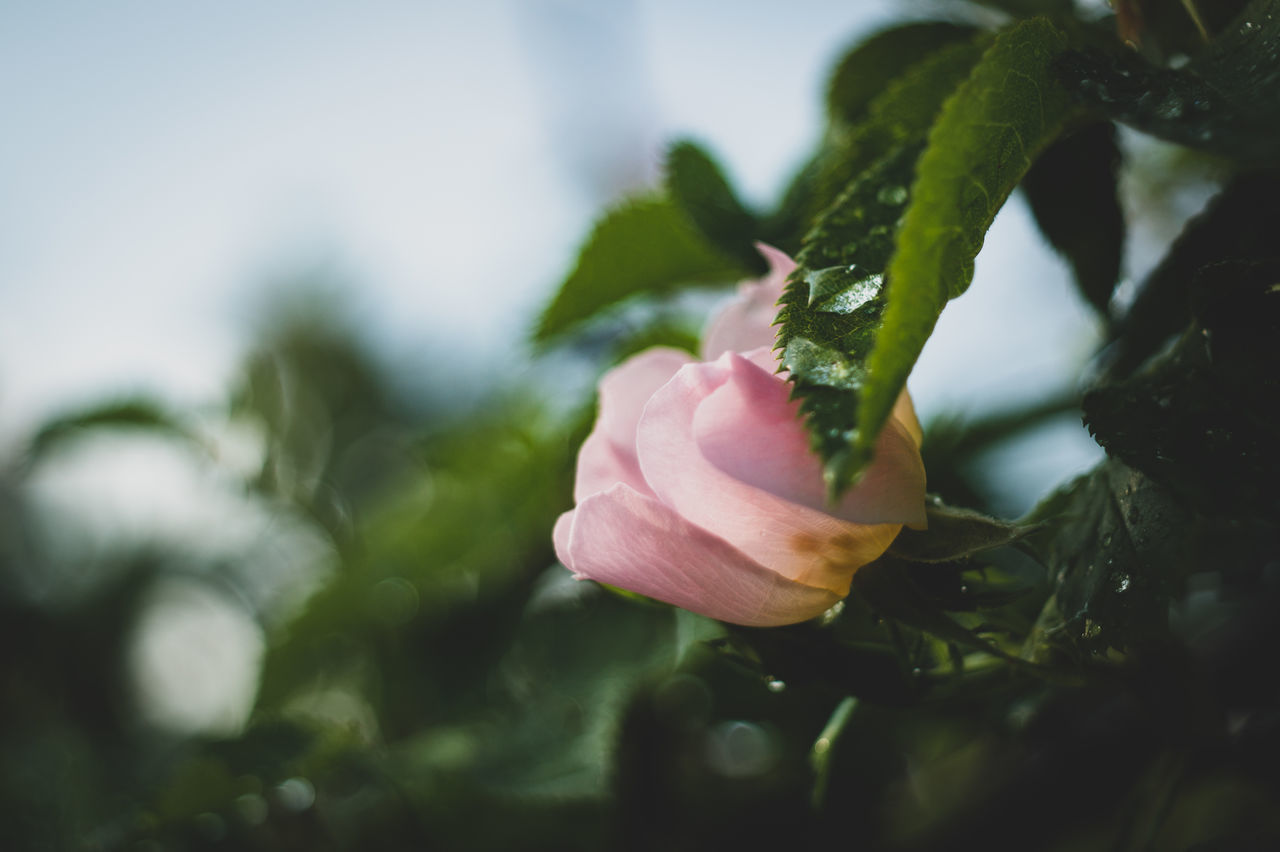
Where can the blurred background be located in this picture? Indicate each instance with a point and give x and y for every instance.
(267, 273)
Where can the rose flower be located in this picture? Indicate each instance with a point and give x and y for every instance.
(697, 486)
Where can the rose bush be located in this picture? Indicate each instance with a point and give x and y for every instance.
(697, 486)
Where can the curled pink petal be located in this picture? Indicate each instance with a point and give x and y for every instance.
(625, 539)
(609, 453)
(799, 540)
(602, 463)
(746, 322)
(560, 538)
(750, 429)
(626, 389)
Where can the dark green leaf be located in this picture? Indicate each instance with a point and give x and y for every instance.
(832, 305)
(1225, 100)
(569, 673)
(1241, 223)
(133, 414)
(1117, 552)
(646, 245)
(873, 64)
(887, 586)
(985, 139)
(1071, 189)
(960, 587)
(698, 186)
(901, 113)
(1201, 419)
(802, 654)
(954, 533)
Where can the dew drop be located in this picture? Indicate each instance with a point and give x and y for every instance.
(1170, 106)
(855, 295)
(892, 195)
(831, 615)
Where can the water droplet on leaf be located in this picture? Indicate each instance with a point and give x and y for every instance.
(892, 195)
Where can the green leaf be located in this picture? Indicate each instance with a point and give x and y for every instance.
(646, 245)
(899, 114)
(887, 586)
(954, 533)
(985, 139)
(1201, 418)
(1117, 550)
(802, 654)
(698, 186)
(1226, 100)
(1241, 223)
(903, 112)
(1071, 190)
(874, 64)
(134, 414)
(833, 302)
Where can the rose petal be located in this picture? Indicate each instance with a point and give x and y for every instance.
(798, 541)
(626, 388)
(603, 464)
(749, 428)
(904, 411)
(560, 538)
(625, 539)
(766, 359)
(608, 454)
(746, 322)
(780, 263)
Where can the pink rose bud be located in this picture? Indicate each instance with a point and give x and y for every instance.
(697, 486)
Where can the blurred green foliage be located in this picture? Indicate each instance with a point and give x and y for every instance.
(1099, 674)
